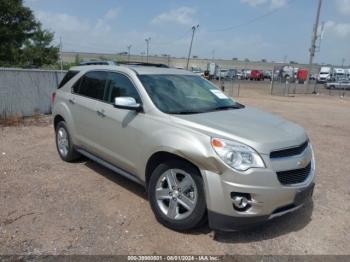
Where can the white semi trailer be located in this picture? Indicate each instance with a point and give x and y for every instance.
(338, 73)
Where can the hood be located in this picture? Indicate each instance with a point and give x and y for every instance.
(263, 131)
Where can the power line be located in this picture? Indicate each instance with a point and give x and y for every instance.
(251, 21)
(238, 26)
(171, 42)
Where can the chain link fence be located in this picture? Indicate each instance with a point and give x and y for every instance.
(26, 92)
(285, 88)
(236, 88)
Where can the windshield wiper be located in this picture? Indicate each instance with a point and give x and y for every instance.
(219, 108)
(184, 112)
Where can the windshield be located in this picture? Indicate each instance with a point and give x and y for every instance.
(185, 94)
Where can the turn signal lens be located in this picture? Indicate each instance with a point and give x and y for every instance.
(216, 143)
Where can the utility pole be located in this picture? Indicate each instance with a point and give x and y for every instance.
(148, 40)
(194, 28)
(129, 47)
(61, 61)
(314, 39)
(342, 62)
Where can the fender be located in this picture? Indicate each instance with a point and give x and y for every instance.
(63, 110)
(176, 141)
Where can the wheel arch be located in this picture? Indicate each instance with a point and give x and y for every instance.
(161, 157)
(61, 112)
(58, 118)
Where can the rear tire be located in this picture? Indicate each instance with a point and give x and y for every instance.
(64, 143)
(176, 195)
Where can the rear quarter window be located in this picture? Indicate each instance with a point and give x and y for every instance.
(67, 78)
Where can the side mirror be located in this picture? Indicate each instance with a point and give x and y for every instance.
(128, 103)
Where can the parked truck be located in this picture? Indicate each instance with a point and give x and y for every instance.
(256, 75)
(338, 73)
(325, 74)
(347, 73)
(302, 75)
(283, 73)
(213, 69)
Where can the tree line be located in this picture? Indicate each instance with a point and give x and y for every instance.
(23, 41)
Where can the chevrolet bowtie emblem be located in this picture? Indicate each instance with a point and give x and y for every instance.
(302, 163)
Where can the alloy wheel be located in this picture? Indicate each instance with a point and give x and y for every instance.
(176, 194)
(62, 141)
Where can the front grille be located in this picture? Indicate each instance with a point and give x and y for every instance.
(294, 151)
(294, 176)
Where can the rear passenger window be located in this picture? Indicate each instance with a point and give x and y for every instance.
(93, 85)
(121, 86)
(67, 78)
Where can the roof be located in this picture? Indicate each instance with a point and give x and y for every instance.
(148, 70)
(98, 63)
(141, 70)
(144, 64)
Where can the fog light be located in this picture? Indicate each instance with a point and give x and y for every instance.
(241, 201)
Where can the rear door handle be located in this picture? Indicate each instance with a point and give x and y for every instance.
(101, 113)
(72, 101)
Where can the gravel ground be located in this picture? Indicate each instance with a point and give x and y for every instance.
(51, 207)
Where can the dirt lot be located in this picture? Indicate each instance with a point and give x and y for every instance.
(51, 207)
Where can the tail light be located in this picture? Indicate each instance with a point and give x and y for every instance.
(53, 97)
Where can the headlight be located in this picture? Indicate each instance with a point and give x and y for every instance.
(237, 155)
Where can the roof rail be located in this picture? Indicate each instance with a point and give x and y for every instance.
(144, 64)
(95, 62)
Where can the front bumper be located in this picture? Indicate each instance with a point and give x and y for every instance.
(269, 198)
(230, 223)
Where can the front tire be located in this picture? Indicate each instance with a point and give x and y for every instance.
(176, 195)
(64, 143)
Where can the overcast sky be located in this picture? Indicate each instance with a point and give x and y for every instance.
(256, 29)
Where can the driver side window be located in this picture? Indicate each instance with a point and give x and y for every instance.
(120, 86)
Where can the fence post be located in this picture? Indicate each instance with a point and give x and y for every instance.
(231, 87)
(285, 88)
(219, 69)
(56, 78)
(272, 80)
(315, 88)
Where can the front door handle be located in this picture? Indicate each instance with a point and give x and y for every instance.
(72, 101)
(101, 113)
